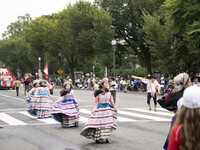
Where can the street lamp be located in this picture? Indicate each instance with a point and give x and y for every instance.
(93, 71)
(59, 57)
(39, 70)
(114, 42)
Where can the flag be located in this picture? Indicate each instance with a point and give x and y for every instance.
(46, 71)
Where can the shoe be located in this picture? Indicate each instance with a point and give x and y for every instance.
(108, 141)
(97, 141)
(149, 109)
(154, 109)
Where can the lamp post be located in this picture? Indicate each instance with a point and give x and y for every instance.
(59, 57)
(93, 71)
(39, 70)
(114, 42)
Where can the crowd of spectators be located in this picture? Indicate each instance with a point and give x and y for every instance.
(124, 84)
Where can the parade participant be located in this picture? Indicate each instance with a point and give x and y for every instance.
(103, 118)
(181, 81)
(41, 102)
(31, 93)
(195, 80)
(186, 131)
(152, 87)
(17, 85)
(65, 109)
(26, 84)
(112, 88)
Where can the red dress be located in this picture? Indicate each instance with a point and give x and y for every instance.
(174, 140)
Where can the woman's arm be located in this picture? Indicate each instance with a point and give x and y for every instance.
(136, 77)
(60, 99)
(31, 91)
(96, 101)
(111, 101)
(73, 95)
(37, 91)
(48, 91)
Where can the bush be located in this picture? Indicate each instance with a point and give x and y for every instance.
(141, 72)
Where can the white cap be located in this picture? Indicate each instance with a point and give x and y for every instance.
(191, 97)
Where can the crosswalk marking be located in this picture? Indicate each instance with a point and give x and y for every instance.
(120, 119)
(83, 119)
(46, 120)
(151, 112)
(142, 116)
(26, 114)
(19, 99)
(10, 120)
(49, 120)
(123, 115)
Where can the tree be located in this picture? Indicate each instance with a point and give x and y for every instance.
(83, 31)
(16, 29)
(15, 54)
(185, 26)
(40, 35)
(127, 22)
(159, 39)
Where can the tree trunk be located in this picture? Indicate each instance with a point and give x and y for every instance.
(72, 73)
(147, 57)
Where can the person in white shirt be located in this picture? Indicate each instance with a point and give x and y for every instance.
(152, 87)
(112, 88)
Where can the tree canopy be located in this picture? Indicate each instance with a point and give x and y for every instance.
(157, 34)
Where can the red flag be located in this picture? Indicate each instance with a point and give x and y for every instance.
(46, 71)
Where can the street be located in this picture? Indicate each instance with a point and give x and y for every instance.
(138, 128)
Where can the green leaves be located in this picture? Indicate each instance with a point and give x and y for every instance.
(82, 33)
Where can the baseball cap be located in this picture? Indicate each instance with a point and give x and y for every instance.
(191, 97)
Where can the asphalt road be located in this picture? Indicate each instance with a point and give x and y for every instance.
(138, 129)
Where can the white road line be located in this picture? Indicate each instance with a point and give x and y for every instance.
(19, 99)
(162, 109)
(123, 119)
(9, 109)
(49, 120)
(27, 114)
(142, 116)
(83, 119)
(85, 111)
(120, 119)
(45, 120)
(10, 120)
(151, 112)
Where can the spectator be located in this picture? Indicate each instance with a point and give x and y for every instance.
(17, 85)
(186, 131)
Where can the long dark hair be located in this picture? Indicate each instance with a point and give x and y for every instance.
(190, 132)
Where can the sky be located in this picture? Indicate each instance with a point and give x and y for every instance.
(11, 9)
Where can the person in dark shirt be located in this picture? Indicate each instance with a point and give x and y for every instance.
(26, 84)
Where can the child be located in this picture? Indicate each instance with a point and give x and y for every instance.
(103, 118)
(65, 109)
